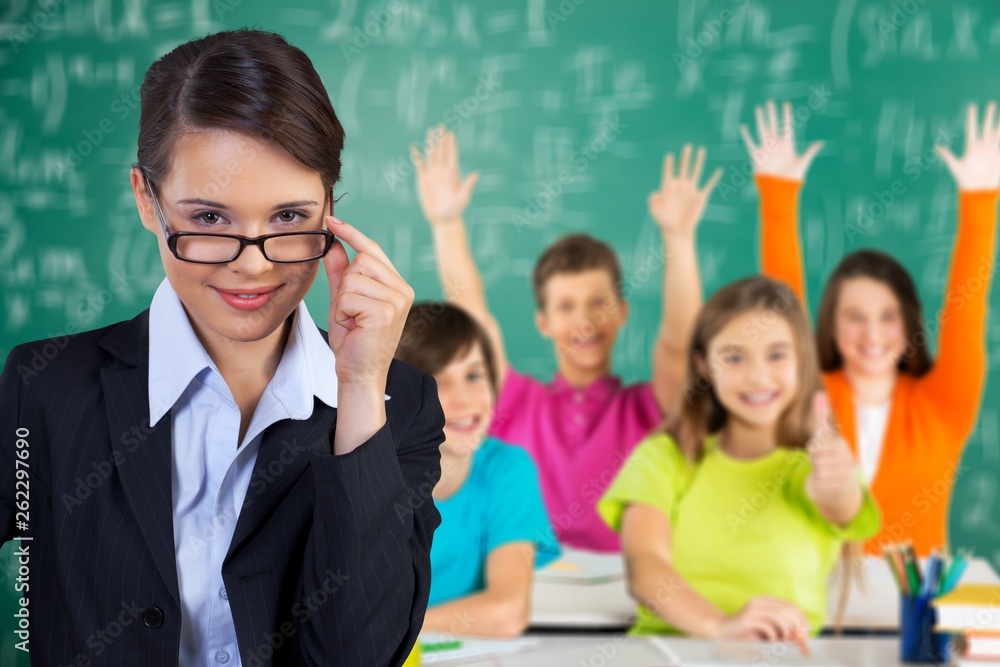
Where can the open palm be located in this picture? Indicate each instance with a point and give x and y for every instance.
(774, 153)
(443, 194)
(979, 166)
(679, 203)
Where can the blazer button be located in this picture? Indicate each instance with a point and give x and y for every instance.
(152, 617)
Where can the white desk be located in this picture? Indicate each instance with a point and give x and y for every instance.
(608, 605)
(621, 651)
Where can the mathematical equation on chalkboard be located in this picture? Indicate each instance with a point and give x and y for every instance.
(551, 101)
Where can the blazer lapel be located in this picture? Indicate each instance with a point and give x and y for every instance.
(284, 456)
(141, 449)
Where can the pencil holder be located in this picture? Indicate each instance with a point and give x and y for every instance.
(918, 643)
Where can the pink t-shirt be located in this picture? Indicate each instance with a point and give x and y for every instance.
(580, 439)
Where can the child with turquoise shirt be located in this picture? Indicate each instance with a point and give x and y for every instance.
(733, 516)
(494, 529)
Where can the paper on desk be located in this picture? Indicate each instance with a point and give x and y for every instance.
(583, 567)
(733, 654)
(470, 648)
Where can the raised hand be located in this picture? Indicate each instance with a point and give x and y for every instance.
(774, 154)
(979, 167)
(833, 483)
(678, 205)
(443, 194)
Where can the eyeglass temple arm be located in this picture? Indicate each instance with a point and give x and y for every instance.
(156, 204)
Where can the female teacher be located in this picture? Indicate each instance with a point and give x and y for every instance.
(219, 481)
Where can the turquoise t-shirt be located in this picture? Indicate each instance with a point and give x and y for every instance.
(739, 528)
(499, 503)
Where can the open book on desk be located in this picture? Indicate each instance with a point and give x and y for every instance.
(690, 653)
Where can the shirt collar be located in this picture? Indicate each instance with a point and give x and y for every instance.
(176, 357)
(601, 389)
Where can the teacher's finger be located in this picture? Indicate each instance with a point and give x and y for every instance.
(358, 242)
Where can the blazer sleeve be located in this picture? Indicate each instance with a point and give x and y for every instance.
(374, 512)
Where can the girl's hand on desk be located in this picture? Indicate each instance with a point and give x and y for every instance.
(979, 167)
(775, 154)
(369, 302)
(444, 195)
(766, 619)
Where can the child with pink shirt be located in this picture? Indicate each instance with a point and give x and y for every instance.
(582, 425)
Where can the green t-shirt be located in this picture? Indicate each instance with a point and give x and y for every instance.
(739, 528)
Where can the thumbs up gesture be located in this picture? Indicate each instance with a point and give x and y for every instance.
(833, 483)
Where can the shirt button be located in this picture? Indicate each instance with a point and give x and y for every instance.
(222, 657)
(223, 593)
(578, 397)
(578, 419)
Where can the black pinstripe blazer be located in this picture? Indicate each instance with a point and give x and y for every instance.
(330, 560)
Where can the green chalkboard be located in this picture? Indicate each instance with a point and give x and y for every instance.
(528, 86)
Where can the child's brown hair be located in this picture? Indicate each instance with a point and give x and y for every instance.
(878, 266)
(575, 253)
(437, 333)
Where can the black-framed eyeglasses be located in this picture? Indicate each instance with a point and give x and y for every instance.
(281, 248)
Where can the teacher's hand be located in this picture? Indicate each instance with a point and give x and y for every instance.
(369, 302)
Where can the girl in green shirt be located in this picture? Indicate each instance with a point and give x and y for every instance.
(733, 517)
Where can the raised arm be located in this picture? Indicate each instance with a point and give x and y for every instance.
(956, 381)
(677, 208)
(443, 198)
(779, 172)
(653, 581)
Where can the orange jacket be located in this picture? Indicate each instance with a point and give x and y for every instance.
(931, 417)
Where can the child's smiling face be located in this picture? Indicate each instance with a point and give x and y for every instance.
(466, 395)
(582, 315)
(754, 368)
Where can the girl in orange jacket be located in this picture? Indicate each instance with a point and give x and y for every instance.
(905, 415)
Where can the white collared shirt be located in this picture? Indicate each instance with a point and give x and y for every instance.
(210, 471)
